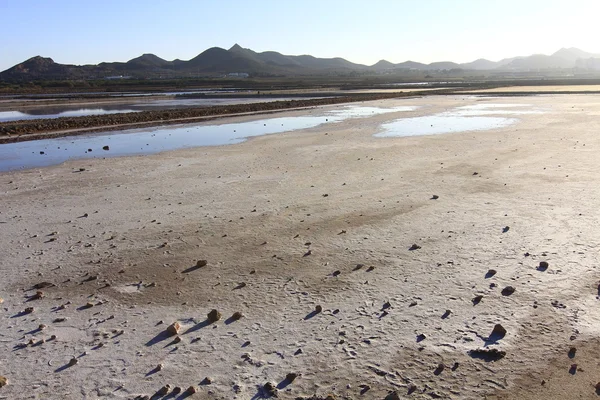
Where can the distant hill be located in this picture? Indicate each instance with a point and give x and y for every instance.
(218, 62)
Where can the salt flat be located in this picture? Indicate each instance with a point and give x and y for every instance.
(329, 216)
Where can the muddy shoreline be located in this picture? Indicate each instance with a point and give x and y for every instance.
(18, 131)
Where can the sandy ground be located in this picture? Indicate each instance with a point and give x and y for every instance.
(313, 218)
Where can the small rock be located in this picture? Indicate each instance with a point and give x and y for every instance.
(38, 295)
(439, 369)
(318, 309)
(572, 352)
(392, 396)
(498, 331)
(414, 247)
(214, 316)
(174, 328)
(543, 266)
(270, 389)
(477, 299)
(105, 148)
(73, 361)
(43, 285)
(206, 381)
(237, 316)
(42, 327)
(505, 229)
(28, 310)
(191, 390)
(3, 381)
(176, 390)
(201, 263)
(163, 391)
(177, 340)
(435, 197)
(507, 291)
(490, 273)
(291, 377)
(159, 367)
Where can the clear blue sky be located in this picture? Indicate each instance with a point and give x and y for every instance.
(89, 31)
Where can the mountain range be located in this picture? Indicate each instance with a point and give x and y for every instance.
(240, 61)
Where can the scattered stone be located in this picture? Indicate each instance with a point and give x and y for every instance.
(201, 263)
(446, 314)
(38, 295)
(1, 300)
(291, 377)
(88, 305)
(543, 266)
(270, 389)
(105, 148)
(336, 273)
(214, 316)
(318, 309)
(28, 310)
(507, 291)
(43, 285)
(159, 367)
(3, 381)
(176, 390)
(206, 381)
(505, 229)
(174, 328)
(392, 396)
(572, 352)
(435, 197)
(498, 332)
(421, 337)
(477, 299)
(414, 247)
(236, 316)
(487, 354)
(163, 391)
(72, 362)
(177, 340)
(439, 369)
(490, 273)
(41, 327)
(190, 391)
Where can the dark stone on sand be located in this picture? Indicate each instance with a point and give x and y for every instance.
(498, 332)
(105, 148)
(487, 354)
(435, 197)
(439, 369)
(477, 299)
(318, 309)
(543, 266)
(270, 389)
(421, 337)
(505, 229)
(43, 285)
(414, 247)
(490, 273)
(392, 396)
(213, 316)
(572, 352)
(507, 291)
(291, 377)
(201, 263)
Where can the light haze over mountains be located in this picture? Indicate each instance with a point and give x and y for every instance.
(215, 61)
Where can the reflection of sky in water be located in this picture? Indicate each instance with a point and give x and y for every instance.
(155, 140)
(459, 119)
(6, 116)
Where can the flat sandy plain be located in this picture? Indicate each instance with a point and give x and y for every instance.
(322, 217)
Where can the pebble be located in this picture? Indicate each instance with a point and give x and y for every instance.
(214, 316)
(164, 390)
(414, 247)
(318, 309)
(237, 316)
(270, 389)
(191, 390)
(291, 377)
(498, 331)
(201, 263)
(73, 361)
(507, 291)
(3, 381)
(174, 328)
